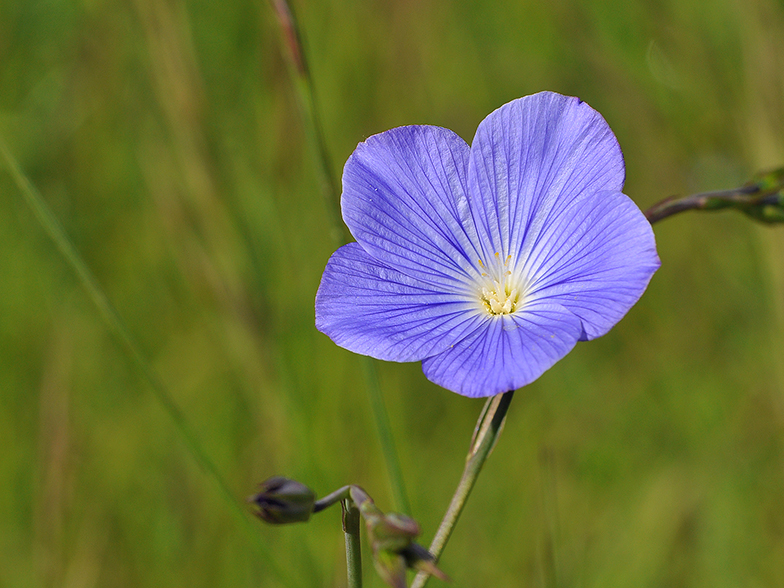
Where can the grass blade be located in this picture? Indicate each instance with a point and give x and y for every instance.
(57, 233)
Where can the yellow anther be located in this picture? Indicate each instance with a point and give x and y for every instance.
(499, 291)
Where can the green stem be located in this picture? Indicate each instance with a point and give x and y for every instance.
(306, 94)
(353, 546)
(57, 234)
(488, 428)
(385, 436)
(702, 201)
(337, 496)
(761, 199)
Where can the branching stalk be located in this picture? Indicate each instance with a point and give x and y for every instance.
(353, 545)
(337, 496)
(762, 199)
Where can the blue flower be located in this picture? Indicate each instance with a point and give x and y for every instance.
(487, 262)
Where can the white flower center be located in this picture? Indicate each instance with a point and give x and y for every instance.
(500, 292)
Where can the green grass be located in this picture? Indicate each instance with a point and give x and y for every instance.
(166, 138)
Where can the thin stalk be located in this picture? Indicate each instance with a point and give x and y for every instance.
(57, 234)
(306, 95)
(385, 436)
(488, 428)
(762, 198)
(347, 496)
(338, 495)
(701, 201)
(353, 546)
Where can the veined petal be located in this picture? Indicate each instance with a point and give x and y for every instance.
(595, 259)
(507, 352)
(403, 198)
(530, 159)
(487, 262)
(372, 309)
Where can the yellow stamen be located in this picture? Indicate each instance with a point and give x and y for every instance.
(500, 294)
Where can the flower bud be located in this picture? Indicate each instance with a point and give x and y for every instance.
(392, 540)
(767, 201)
(419, 558)
(392, 532)
(281, 500)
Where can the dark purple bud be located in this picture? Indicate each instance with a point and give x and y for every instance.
(419, 558)
(281, 500)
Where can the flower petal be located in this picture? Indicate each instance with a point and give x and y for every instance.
(530, 159)
(509, 352)
(372, 309)
(595, 259)
(403, 196)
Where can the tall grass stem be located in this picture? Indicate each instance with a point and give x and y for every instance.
(386, 439)
(57, 233)
(306, 94)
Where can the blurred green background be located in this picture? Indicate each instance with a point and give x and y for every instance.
(167, 139)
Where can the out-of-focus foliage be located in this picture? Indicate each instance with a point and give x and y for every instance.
(165, 136)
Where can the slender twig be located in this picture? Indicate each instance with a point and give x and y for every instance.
(486, 433)
(702, 201)
(330, 499)
(353, 546)
(754, 199)
(57, 234)
(306, 95)
(347, 496)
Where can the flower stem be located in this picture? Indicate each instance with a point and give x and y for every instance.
(761, 198)
(353, 545)
(306, 94)
(330, 499)
(488, 428)
(702, 201)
